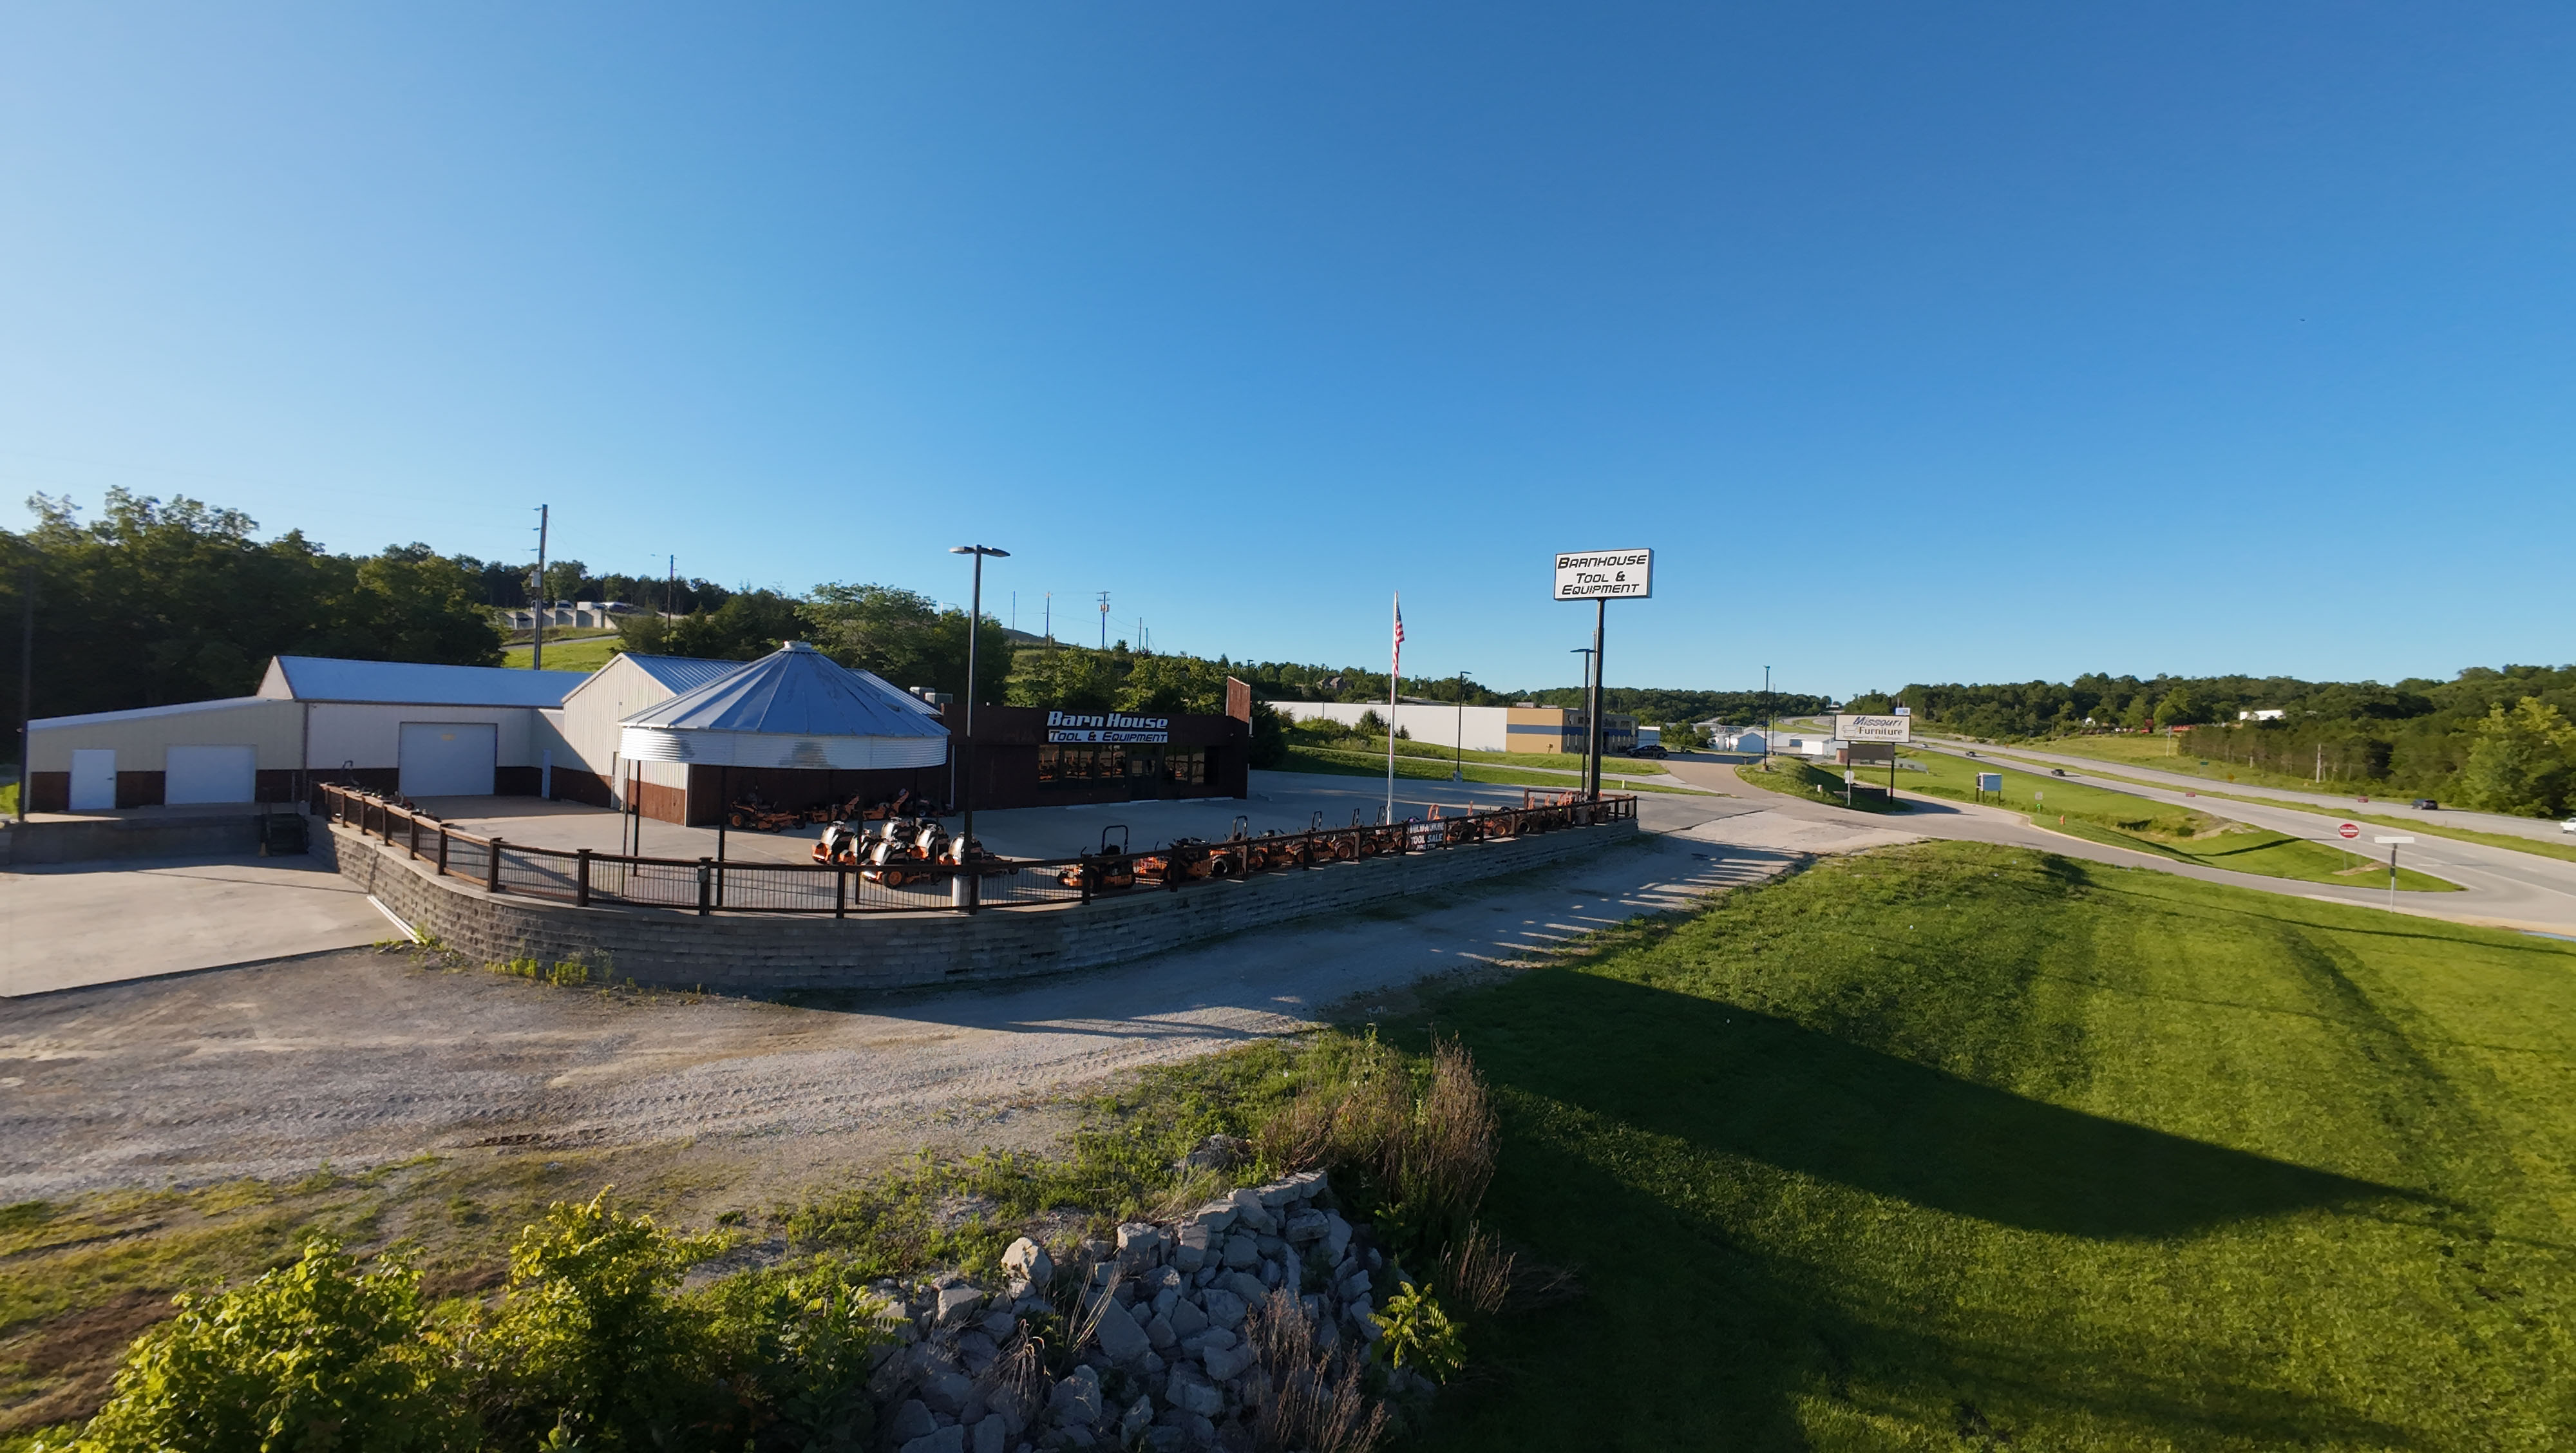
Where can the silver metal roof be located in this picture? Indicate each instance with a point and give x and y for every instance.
(794, 707)
(409, 683)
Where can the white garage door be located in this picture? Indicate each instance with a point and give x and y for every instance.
(449, 758)
(211, 774)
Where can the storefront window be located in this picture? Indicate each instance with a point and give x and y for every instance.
(1081, 765)
(1186, 768)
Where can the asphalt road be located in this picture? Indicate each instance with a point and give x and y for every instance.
(2503, 887)
(2537, 828)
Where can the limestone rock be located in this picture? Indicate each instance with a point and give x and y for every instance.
(1252, 1289)
(1029, 1261)
(1242, 1251)
(1305, 1227)
(954, 1305)
(1193, 1393)
(1119, 1335)
(1140, 1243)
(951, 1439)
(1225, 1363)
(1224, 1308)
(989, 1436)
(910, 1421)
(1187, 1318)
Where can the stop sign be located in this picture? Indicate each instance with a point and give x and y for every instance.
(2350, 830)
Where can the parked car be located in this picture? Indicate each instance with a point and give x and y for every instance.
(1649, 750)
(2568, 826)
(2427, 804)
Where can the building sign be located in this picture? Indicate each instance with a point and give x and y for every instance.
(1874, 728)
(1605, 575)
(1073, 726)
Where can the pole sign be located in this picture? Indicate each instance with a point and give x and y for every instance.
(1990, 781)
(2349, 830)
(1874, 728)
(1605, 575)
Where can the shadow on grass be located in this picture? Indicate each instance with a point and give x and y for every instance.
(1732, 1306)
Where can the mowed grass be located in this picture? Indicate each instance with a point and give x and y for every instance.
(2158, 752)
(1363, 764)
(1798, 777)
(1961, 1146)
(584, 654)
(2116, 819)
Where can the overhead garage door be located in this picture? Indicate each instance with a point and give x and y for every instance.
(449, 758)
(211, 774)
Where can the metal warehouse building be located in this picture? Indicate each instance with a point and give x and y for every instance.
(422, 730)
(467, 731)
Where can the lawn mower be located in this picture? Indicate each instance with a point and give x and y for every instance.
(1107, 870)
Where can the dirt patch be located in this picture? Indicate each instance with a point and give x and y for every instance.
(75, 1357)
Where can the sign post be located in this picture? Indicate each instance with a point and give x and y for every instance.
(1601, 576)
(2392, 844)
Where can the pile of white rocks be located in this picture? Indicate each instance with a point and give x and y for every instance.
(1168, 1362)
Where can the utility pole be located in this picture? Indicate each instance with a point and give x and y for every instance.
(1768, 730)
(1458, 766)
(962, 888)
(537, 596)
(671, 582)
(26, 689)
(1050, 622)
(1104, 620)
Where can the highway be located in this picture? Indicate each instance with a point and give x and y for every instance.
(2540, 829)
(2503, 886)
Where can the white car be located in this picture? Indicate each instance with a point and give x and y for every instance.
(2568, 826)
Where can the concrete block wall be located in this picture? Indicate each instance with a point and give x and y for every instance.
(109, 838)
(767, 952)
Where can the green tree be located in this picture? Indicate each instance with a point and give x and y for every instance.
(2521, 761)
(1068, 678)
(1168, 685)
(906, 638)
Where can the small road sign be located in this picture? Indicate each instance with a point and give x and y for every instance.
(2391, 842)
(2349, 830)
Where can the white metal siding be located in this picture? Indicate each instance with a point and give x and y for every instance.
(93, 779)
(448, 758)
(211, 774)
(371, 735)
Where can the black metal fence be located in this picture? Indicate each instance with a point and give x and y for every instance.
(582, 877)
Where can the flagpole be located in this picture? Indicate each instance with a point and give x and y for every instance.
(1395, 665)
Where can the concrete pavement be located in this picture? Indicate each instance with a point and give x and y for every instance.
(75, 924)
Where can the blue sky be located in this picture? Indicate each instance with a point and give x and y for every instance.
(1922, 343)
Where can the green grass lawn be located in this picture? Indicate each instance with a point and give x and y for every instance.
(2159, 752)
(1955, 1146)
(1797, 777)
(2564, 850)
(1560, 760)
(1423, 769)
(2116, 819)
(583, 653)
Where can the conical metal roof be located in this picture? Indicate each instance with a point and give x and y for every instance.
(794, 707)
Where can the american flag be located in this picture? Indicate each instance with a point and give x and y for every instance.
(1399, 634)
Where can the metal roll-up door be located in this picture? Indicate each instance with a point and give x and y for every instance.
(211, 774)
(449, 758)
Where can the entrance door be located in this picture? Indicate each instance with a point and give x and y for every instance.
(93, 779)
(449, 758)
(211, 774)
(1144, 772)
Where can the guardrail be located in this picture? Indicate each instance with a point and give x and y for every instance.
(582, 877)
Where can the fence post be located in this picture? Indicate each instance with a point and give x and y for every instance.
(412, 843)
(840, 891)
(705, 876)
(492, 869)
(442, 850)
(581, 878)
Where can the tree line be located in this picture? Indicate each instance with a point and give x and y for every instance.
(2498, 738)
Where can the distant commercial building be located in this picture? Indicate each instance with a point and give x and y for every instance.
(575, 615)
(1479, 728)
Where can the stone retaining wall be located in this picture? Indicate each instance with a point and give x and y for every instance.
(756, 952)
(110, 838)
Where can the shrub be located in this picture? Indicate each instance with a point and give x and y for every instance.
(590, 1345)
(800, 1343)
(309, 1357)
(1419, 1336)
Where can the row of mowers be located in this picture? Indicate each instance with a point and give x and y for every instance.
(907, 850)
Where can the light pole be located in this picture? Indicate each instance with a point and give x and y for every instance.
(963, 886)
(1458, 767)
(1768, 730)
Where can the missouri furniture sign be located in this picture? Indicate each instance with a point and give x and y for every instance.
(1874, 728)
